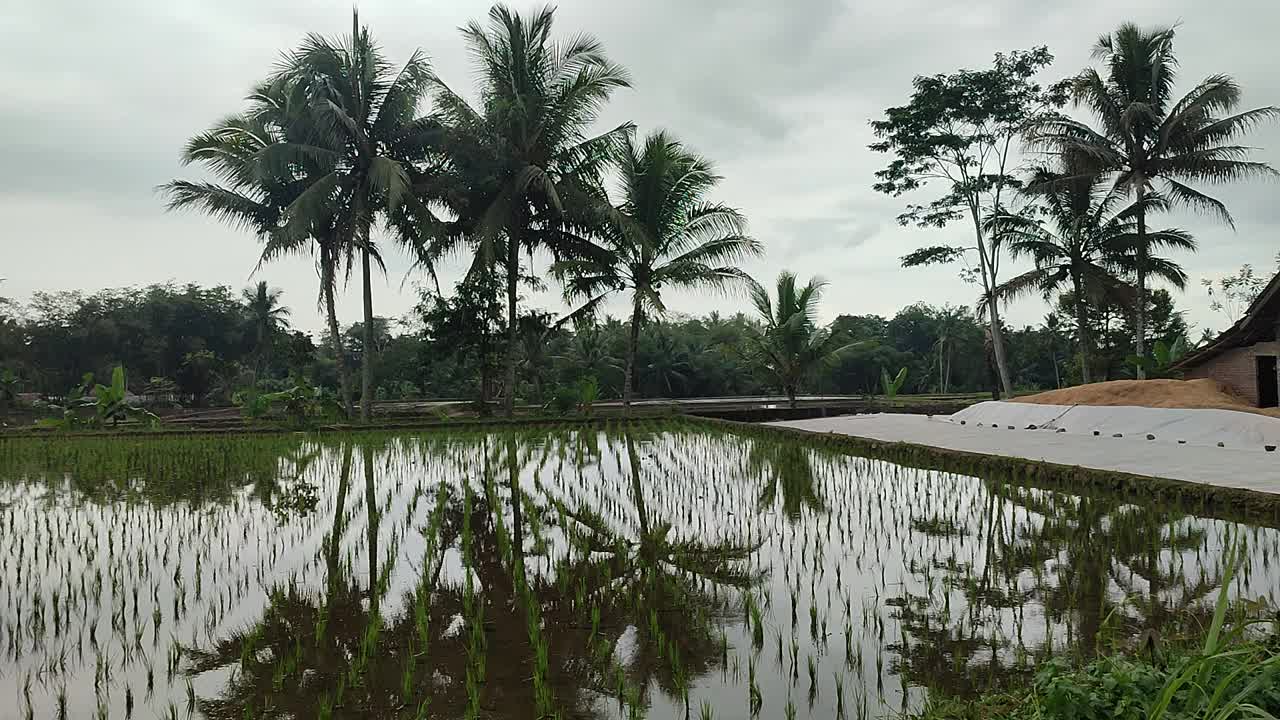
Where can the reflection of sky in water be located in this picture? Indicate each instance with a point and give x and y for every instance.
(869, 577)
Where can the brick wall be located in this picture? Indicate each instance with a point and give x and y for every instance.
(1236, 368)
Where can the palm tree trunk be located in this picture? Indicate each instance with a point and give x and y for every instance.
(262, 352)
(486, 379)
(366, 357)
(942, 384)
(517, 513)
(1140, 316)
(327, 273)
(371, 509)
(513, 337)
(633, 342)
(487, 342)
(1082, 331)
(637, 492)
(333, 554)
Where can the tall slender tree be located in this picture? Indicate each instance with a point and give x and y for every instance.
(664, 234)
(1147, 141)
(365, 133)
(538, 98)
(961, 131)
(1083, 240)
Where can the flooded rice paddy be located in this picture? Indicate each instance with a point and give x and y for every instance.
(660, 571)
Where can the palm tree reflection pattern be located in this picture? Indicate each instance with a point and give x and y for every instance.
(342, 655)
(1115, 574)
(672, 589)
(788, 471)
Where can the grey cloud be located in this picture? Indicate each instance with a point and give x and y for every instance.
(99, 98)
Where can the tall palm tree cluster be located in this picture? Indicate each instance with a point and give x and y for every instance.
(1088, 227)
(336, 155)
(339, 153)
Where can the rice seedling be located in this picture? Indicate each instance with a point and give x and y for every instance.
(436, 575)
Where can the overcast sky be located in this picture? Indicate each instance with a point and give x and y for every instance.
(97, 98)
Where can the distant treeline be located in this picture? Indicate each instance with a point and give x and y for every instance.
(202, 344)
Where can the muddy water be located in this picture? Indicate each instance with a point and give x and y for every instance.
(663, 571)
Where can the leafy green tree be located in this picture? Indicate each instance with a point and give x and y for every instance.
(1086, 241)
(364, 132)
(1235, 293)
(1147, 142)
(961, 130)
(466, 327)
(1111, 322)
(538, 99)
(9, 386)
(791, 347)
(198, 374)
(665, 234)
(148, 330)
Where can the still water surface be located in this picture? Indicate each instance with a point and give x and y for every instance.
(660, 571)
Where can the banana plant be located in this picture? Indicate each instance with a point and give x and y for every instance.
(109, 403)
(1163, 355)
(892, 385)
(301, 403)
(588, 394)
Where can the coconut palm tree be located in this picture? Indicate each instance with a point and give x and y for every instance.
(1146, 141)
(365, 134)
(266, 315)
(1085, 241)
(588, 355)
(247, 197)
(665, 234)
(538, 99)
(791, 346)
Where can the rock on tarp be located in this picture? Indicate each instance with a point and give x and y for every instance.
(1240, 430)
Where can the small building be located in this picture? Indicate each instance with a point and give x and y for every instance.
(1244, 357)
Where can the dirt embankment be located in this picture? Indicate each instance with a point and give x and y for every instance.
(1150, 393)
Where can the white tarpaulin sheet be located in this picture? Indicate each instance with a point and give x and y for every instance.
(1238, 430)
(1224, 467)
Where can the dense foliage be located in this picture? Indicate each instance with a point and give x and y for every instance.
(198, 345)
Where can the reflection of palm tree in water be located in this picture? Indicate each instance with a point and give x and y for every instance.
(671, 589)
(1091, 545)
(336, 651)
(788, 470)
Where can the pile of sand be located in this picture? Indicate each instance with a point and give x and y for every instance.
(1201, 393)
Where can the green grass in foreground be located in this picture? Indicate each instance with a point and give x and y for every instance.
(1234, 674)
